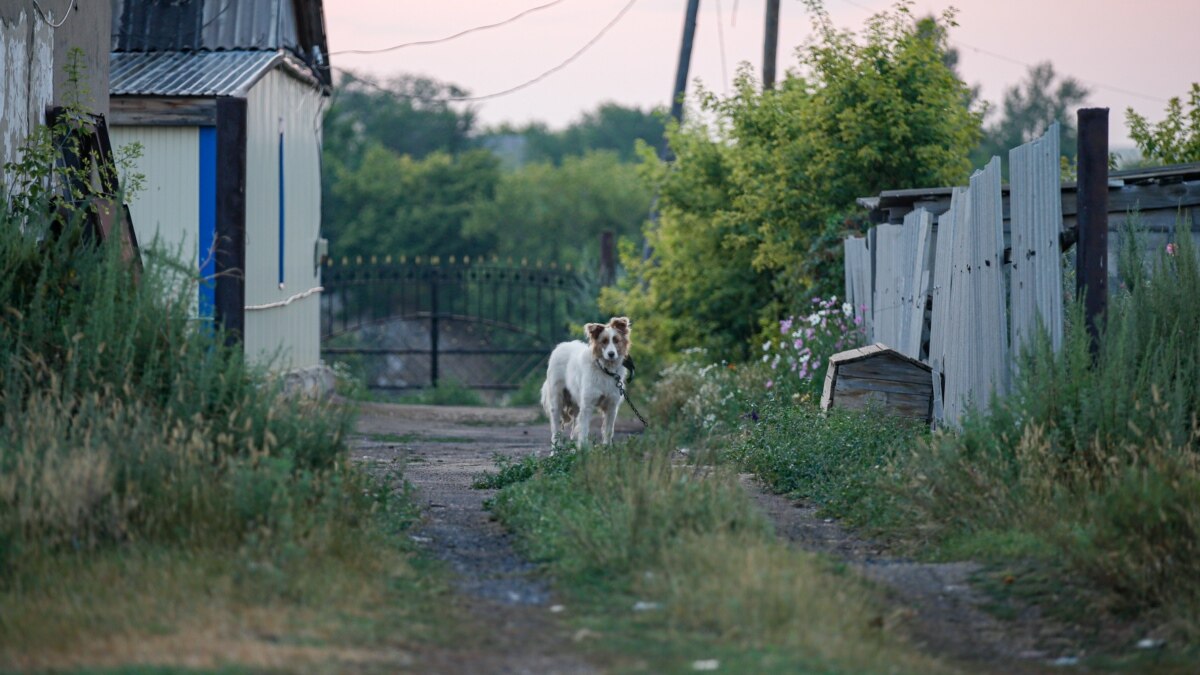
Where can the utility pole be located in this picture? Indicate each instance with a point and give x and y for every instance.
(685, 60)
(770, 44)
(1091, 249)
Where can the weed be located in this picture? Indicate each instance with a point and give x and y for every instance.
(626, 523)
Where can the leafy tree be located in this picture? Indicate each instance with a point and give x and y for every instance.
(408, 115)
(1174, 140)
(1029, 108)
(751, 209)
(395, 204)
(543, 211)
(610, 127)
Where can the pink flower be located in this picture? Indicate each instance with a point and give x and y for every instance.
(770, 383)
(1171, 249)
(785, 326)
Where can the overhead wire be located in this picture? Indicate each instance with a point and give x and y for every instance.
(476, 29)
(1009, 59)
(528, 83)
(721, 40)
(579, 52)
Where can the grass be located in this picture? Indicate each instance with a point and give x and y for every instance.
(835, 460)
(621, 524)
(161, 502)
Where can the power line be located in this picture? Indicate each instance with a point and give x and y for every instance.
(721, 39)
(629, 5)
(459, 34)
(1009, 59)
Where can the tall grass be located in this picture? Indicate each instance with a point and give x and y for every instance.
(1094, 461)
(123, 418)
(633, 522)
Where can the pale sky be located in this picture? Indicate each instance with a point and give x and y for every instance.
(1130, 53)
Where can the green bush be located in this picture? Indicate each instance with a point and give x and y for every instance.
(834, 459)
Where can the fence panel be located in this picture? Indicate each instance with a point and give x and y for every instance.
(890, 282)
(859, 283)
(977, 357)
(1035, 224)
(918, 227)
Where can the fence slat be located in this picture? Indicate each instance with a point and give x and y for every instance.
(1036, 221)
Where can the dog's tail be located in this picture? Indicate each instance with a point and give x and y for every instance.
(546, 397)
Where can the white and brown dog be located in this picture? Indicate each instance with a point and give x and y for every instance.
(583, 376)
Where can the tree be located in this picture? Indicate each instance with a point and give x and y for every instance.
(1174, 140)
(548, 212)
(391, 204)
(1029, 109)
(751, 209)
(610, 127)
(408, 115)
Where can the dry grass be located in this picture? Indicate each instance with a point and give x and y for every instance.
(205, 610)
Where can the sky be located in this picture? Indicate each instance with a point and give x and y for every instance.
(1130, 54)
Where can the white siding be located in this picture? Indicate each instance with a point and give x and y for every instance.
(167, 210)
(291, 332)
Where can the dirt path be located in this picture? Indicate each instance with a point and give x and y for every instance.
(443, 449)
(937, 604)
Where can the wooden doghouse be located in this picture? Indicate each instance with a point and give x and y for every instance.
(879, 375)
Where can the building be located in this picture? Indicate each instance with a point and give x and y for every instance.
(226, 99)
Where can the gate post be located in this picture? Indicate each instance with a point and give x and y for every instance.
(433, 326)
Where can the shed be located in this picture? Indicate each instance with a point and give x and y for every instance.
(879, 375)
(226, 99)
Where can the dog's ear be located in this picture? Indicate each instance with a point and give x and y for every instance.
(594, 330)
(621, 324)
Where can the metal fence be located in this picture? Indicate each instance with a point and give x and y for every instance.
(410, 323)
(953, 294)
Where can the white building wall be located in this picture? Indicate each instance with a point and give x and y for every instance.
(166, 213)
(291, 333)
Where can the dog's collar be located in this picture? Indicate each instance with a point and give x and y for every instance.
(610, 373)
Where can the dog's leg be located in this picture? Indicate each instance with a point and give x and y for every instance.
(583, 423)
(610, 421)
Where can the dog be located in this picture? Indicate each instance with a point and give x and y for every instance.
(582, 377)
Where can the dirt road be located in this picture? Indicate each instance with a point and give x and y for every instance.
(443, 449)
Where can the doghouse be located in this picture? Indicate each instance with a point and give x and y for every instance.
(879, 375)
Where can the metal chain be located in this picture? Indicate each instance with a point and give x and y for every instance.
(625, 395)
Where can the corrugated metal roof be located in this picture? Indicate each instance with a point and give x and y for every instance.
(229, 73)
(297, 26)
(174, 25)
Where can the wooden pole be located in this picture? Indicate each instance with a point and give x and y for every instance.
(770, 44)
(608, 258)
(1091, 251)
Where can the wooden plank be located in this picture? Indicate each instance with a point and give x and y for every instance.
(847, 384)
(898, 404)
(889, 284)
(161, 111)
(872, 370)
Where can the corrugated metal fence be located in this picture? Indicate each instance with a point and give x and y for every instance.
(950, 296)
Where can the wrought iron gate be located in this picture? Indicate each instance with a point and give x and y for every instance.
(414, 322)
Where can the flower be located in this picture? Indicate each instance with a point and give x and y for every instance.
(785, 326)
(1171, 248)
(847, 308)
(770, 383)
